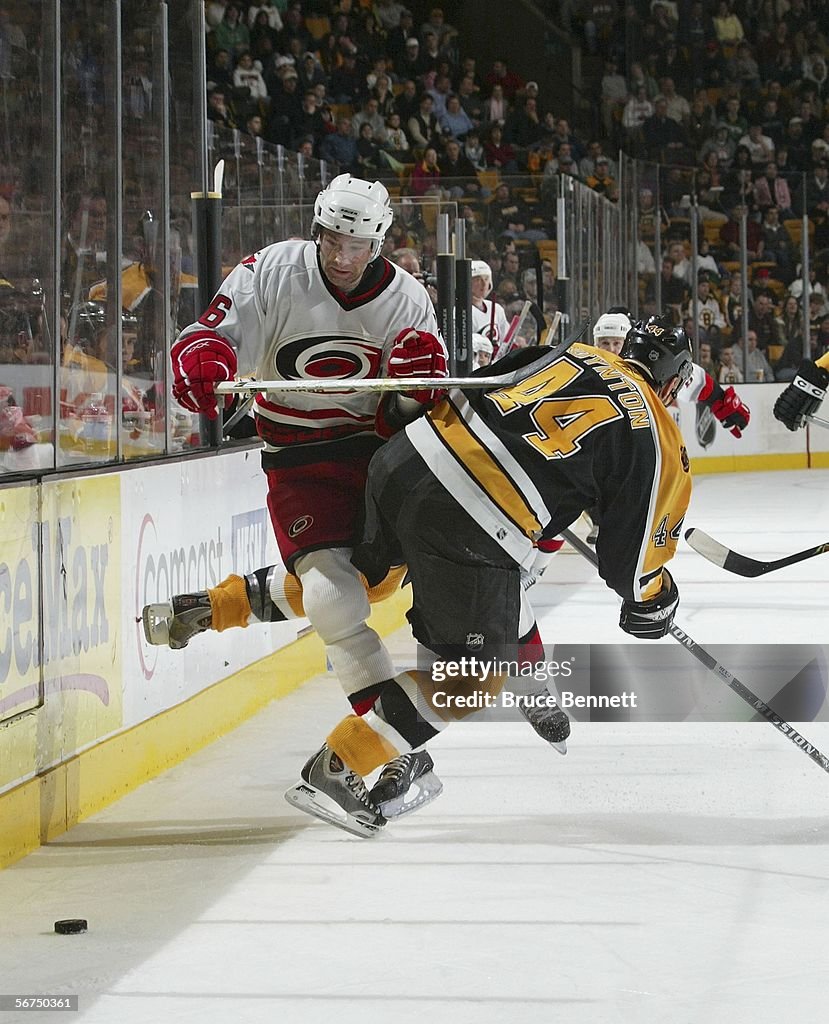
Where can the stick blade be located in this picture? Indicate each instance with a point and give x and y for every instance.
(723, 556)
(707, 546)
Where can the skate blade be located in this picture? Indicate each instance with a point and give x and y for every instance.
(156, 621)
(318, 805)
(427, 788)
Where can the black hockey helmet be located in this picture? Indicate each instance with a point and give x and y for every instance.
(660, 349)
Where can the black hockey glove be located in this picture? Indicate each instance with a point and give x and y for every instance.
(651, 620)
(803, 396)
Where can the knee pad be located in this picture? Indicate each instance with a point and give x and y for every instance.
(337, 604)
(276, 594)
(332, 593)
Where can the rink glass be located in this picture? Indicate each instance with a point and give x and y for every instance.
(119, 122)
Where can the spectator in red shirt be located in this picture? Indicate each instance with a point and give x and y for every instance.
(509, 81)
(730, 237)
(426, 174)
(498, 153)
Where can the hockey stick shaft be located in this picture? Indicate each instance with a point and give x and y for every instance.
(515, 323)
(819, 421)
(352, 385)
(742, 565)
(401, 384)
(553, 328)
(756, 703)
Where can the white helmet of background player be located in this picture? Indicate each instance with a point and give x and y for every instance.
(480, 268)
(481, 350)
(351, 206)
(611, 328)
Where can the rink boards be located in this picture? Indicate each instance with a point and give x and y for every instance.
(88, 710)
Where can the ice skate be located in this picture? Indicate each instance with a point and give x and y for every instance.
(174, 623)
(406, 783)
(329, 790)
(551, 723)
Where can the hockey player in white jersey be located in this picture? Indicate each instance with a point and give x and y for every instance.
(488, 316)
(609, 334)
(481, 351)
(328, 308)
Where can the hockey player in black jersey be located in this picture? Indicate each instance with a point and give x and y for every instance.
(467, 495)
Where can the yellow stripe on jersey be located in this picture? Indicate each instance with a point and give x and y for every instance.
(669, 499)
(483, 467)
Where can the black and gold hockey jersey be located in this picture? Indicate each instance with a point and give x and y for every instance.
(563, 435)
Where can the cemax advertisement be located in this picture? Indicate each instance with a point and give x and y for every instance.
(79, 559)
(60, 618)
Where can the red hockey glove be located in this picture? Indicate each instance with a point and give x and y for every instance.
(418, 354)
(731, 412)
(200, 361)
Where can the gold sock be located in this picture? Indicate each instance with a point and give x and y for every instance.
(292, 589)
(229, 604)
(386, 587)
(359, 746)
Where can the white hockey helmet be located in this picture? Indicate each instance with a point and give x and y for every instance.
(611, 325)
(480, 268)
(351, 206)
(480, 343)
(482, 349)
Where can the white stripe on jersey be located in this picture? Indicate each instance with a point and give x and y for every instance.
(657, 476)
(326, 417)
(469, 495)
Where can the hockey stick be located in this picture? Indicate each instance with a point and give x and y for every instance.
(370, 384)
(242, 409)
(515, 323)
(819, 421)
(351, 385)
(742, 565)
(711, 663)
(552, 330)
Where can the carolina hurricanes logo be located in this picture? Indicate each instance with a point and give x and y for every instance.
(327, 358)
(300, 525)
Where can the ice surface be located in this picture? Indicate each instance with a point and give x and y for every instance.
(660, 872)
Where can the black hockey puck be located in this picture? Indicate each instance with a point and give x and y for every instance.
(72, 926)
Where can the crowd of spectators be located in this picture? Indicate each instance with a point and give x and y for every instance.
(736, 94)
(390, 92)
(727, 101)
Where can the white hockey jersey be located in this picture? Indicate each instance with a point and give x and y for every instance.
(482, 322)
(288, 322)
(690, 391)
